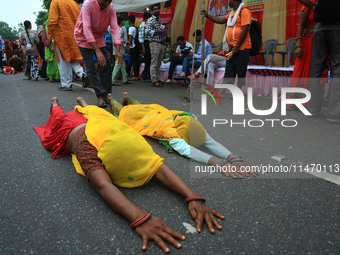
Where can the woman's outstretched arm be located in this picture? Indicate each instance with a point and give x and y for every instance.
(199, 211)
(153, 229)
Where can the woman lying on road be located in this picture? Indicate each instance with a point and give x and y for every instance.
(109, 152)
(179, 131)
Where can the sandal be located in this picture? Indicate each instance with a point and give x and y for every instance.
(116, 84)
(127, 82)
(134, 79)
(102, 104)
(333, 121)
(194, 76)
(157, 84)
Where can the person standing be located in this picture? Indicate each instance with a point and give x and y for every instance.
(52, 71)
(120, 66)
(155, 31)
(238, 39)
(62, 18)
(325, 43)
(133, 48)
(30, 40)
(145, 43)
(92, 24)
(1, 47)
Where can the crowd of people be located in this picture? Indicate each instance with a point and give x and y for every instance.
(92, 42)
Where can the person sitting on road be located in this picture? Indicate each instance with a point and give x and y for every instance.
(179, 131)
(109, 152)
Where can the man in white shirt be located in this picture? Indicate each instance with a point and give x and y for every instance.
(133, 48)
(184, 49)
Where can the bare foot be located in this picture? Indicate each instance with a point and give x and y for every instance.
(54, 102)
(81, 101)
(109, 96)
(125, 99)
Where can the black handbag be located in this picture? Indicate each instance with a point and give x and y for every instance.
(327, 11)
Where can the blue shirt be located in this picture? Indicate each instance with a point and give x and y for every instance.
(2, 46)
(207, 51)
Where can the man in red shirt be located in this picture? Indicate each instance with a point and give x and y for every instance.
(238, 39)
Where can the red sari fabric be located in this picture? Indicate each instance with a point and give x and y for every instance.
(57, 129)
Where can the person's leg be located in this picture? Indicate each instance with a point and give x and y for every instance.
(105, 73)
(28, 67)
(54, 102)
(319, 55)
(129, 100)
(77, 68)
(229, 74)
(116, 69)
(1, 65)
(123, 71)
(146, 75)
(114, 104)
(34, 67)
(81, 101)
(185, 66)
(241, 64)
(174, 61)
(135, 62)
(65, 70)
(159, 61)
(153, 67)
(210, 72)
(90, 68)
(334, 90)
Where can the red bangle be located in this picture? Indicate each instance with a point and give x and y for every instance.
(189, 199)
(141, 220)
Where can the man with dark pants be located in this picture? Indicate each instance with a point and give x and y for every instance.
(238, 39)
(155, 31)
(133, 48)
(184, 49)
(326, 42)
(145, 43)
(94, 18)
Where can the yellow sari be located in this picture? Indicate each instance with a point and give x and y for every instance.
(152, 120)
(127, 157)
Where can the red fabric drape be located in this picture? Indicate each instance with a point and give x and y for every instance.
(173, 8)
(209, 30)
(293, 18)
(189, 18)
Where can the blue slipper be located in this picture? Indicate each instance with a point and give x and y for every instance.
(180, 78)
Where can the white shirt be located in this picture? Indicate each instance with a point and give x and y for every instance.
(133, 32)
(188, 46)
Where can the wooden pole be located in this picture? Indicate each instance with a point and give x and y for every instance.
(203, 41)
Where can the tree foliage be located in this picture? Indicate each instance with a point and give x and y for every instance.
(46, 4)
(7, 32)
(42, 16)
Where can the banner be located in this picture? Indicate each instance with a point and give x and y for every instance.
(254, 5)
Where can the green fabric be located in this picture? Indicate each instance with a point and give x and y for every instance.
(185, 114)
(115, 107)
(52, 70)
(167, 145)
(116, 70)
(132, 101)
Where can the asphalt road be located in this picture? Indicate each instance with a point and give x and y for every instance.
(47, 208)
